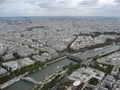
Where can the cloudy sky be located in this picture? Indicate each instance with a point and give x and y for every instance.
(59, 7)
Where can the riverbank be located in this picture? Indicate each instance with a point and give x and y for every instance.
(50, 80)
(56, 60)
(39, 75)
(12, 81)
(52, 67)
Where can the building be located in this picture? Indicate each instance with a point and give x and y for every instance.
(76, 85)
(2, 71)
(115, 71)
(85, 74)
(107, 83)
(117, 85)
(17, 64)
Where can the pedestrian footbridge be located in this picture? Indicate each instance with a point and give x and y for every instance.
(29, 79)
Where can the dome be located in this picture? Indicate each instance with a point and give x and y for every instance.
(76, 83)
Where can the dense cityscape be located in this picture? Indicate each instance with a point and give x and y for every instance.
(60, 53)
(59, 44)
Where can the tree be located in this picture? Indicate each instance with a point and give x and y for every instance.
(15, 54)
(109, 40)
(1, 59)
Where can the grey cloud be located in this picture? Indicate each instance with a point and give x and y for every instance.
(2, 1)
(88, 2)
(46, 5)
(51, 5)
(41, 4)
(56, 7)
(118, 1)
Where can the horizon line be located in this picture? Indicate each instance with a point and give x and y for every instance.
(59, 16)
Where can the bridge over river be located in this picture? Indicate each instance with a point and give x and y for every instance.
(51, 68)
(29, 79)
(99, 52)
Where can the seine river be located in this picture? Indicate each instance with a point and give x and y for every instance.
(39, 75)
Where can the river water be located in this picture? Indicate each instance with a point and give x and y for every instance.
(39, 75)
(100, 52)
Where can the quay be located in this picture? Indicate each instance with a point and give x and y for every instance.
(12, 81)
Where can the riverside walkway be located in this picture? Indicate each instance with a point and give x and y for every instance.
(12, 81)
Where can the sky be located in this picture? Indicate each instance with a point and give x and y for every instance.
(59, 8)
